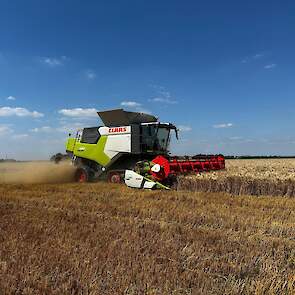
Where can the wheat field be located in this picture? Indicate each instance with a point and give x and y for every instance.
(275, 169)
(271, 177)
(108, 239)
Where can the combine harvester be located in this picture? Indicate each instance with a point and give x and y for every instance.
(133, 148)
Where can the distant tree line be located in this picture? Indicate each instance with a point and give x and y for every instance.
(7, 160)
(59, 157)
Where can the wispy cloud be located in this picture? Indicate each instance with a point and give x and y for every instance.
(184, 128)
(253, 57)
(270, 66)
(90, 74)
(223, 125)
(78, 112)
(130, 104)
(136, 106)
(65, 127)
(163, 96)
(20, 136)
(236, 138)
(70, 127)
(163, 100)
(5, 130)
(248, 140)
(258, 55)
(19, 112)
(9, 132)
(10, 97)
(53, 61)
(43, 129)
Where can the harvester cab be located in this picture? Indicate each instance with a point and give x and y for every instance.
(131, 147)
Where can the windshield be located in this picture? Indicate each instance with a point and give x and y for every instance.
(163, 138)
(155, 138)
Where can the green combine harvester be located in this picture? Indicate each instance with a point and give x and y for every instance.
(133, 148)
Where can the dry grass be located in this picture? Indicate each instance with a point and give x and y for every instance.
(108, 239)
(273, 177)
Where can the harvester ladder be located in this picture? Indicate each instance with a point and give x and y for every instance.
(77, 138)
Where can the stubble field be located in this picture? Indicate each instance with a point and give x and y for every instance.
(99, 238)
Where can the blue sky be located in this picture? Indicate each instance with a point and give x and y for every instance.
(223, 71)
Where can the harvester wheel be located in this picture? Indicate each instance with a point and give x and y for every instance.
(115, 177)
(82, 175)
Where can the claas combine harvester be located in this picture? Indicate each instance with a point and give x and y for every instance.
(133, 148)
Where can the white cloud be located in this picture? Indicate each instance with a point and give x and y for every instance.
(78, 112)
(136, 106)
(270, 66)
(249, 140)
(5, 130)
(258, 55)
(253, 57)
(19, 136)
(165, 93)
(163, 96)
(19, 112)
(54, 61)
(70, 127)
(184, 128)
(64, 128)
(130, 104)
(163, 100)
(10, 97)
(223, 125)
(90, 74)
(43, 129)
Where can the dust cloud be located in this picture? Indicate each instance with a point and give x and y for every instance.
(36, 172)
